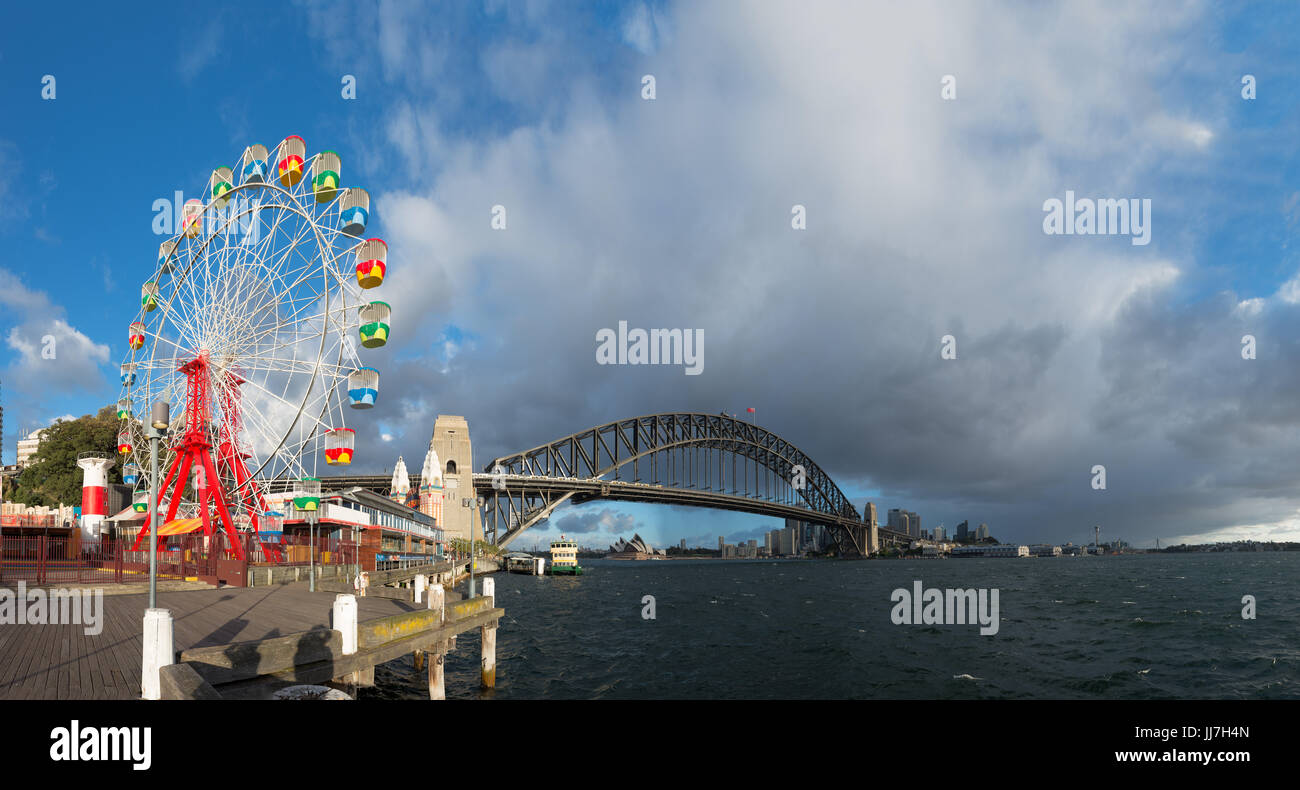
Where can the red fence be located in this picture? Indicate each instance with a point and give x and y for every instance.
(66, 560)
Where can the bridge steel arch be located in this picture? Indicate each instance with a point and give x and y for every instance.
(518, 491)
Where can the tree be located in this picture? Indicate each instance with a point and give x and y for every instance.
(52, 477)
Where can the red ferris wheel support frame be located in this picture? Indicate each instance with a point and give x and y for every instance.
(195, 451)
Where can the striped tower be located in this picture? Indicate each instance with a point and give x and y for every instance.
(431, 487)
(94, 481)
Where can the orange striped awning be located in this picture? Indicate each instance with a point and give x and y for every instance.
(180, 526)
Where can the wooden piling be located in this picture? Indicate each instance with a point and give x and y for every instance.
(489, 656)
(437, 688)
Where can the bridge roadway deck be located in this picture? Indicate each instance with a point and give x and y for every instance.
(64, 662)
(587, 489)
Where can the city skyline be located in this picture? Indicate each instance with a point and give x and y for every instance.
(674, 212)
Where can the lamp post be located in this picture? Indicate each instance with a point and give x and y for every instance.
(157, 429)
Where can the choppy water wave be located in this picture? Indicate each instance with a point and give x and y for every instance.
(1146, 627)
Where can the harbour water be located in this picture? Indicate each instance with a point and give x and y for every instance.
(1122, 627)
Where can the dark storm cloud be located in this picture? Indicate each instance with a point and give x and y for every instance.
(1071, 352)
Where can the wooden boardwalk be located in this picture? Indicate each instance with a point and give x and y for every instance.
(64, 662)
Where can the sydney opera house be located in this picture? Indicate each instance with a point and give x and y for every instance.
(634, 549)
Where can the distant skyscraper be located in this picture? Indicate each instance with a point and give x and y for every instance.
(963, 531)
(896, 519)
(683, 544)
(982, 532)
(915, 522)
(721, 543)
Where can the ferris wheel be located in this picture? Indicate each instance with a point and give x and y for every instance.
(249, 327)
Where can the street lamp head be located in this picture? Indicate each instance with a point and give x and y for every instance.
(161, 416)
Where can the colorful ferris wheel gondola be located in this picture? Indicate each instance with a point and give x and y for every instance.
(135, 335)
(339, 446)
(124, 441)
(219, 186)
(306, 497)
(124, 409)
(128, 374)
(192, 218)
(372, 263)
(374, 324)
(252, 164)
(289, 160)
(130, 473)
(166, 256)
(149, 296)
(325, 168)
(363, 388)
(354, 211)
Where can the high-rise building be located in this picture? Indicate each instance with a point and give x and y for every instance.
(896, 519)
(939, 534)
(683, 544)
(915, 522)
(963, 531)
(982, 532)
(721, 543)
(28, 447)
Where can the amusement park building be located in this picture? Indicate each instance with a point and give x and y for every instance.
(386, 530)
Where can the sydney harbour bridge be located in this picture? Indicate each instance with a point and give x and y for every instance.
(702, 460)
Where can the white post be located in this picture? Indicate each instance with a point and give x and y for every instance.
(344, 620)
(158, 650)
(437, 600)
(421, 584)
(490, 589)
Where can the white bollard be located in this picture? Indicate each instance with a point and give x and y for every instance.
(421, 584)
(437, 600)
(159, 651)
(344, 620)
(490, 589)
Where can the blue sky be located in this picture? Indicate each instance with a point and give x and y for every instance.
(924, 219)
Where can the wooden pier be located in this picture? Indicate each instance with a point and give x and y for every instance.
(233, 642)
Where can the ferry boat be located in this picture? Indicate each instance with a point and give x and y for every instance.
(564, 558)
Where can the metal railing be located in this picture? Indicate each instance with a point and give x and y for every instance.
(67, 560)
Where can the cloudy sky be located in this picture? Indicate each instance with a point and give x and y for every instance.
(921, 141)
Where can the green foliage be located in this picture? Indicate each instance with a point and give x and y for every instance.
(52, 477)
